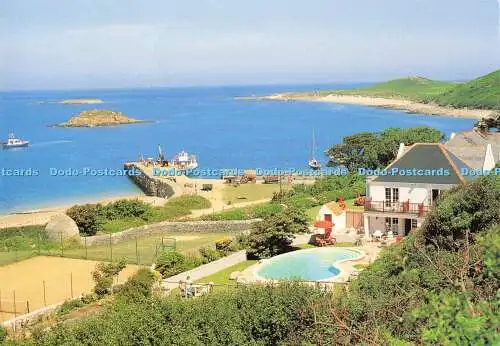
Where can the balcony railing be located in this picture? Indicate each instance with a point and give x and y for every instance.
(418, 209)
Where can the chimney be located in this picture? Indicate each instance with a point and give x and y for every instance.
(489, 159)
(401, 150)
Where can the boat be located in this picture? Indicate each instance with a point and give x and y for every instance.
(13, 142)
(313, 163)
(184, 161)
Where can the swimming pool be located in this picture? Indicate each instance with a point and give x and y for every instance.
(310, 264)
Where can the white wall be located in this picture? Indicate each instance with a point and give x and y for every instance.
(338, 220)
(416, 193)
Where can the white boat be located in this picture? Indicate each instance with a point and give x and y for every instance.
(313, 163)
(183, 161)
(13, 142)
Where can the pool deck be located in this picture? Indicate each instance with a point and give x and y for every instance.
(370, 253)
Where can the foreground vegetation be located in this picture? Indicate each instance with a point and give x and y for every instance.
(122, 214)
(438, 286)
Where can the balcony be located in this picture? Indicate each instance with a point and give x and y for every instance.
(418, 209)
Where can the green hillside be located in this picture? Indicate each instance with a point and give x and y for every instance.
(483, 92)
(414, 88)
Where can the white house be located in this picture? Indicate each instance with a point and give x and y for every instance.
(332, 212)
(399, 198)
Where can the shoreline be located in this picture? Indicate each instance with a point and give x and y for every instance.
(411, 107)
(40, 216)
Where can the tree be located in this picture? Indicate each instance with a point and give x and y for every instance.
(376, 150)
(274, 234)
(472, 209)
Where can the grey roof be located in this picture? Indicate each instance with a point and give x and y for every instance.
(470, 146)
(431, 158)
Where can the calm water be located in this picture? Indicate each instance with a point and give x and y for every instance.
(312, 264)
(223, 132)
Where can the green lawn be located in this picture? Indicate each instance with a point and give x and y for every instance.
(249, 192)
(141, 251)
(222, 277)
(173, 209)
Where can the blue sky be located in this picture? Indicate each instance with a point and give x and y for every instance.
(53, 44)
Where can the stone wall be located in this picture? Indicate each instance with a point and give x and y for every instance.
(168, 227)
(151, 186)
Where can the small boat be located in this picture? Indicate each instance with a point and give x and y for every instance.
(13, 142)
(313, 163)
(184, 161)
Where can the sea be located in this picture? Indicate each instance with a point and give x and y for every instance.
(222, 131)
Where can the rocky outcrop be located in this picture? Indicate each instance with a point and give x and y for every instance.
(97, 118)
(61, 225)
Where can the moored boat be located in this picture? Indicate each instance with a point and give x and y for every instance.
(313, 163)
(13, 142)
(184, 161)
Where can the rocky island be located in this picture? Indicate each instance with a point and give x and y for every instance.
(92, 101)
(99, 118)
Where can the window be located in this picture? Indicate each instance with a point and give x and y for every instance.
(391, 224)
(391, 196)
(394, 226)
(413, 223)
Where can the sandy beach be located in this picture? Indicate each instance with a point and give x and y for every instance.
(399, 104)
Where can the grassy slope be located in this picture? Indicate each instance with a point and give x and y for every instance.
(483, 92)
(413, 88)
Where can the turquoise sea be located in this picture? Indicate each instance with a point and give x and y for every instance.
(207, 121)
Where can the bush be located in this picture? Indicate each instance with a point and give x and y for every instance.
(139, 286)
(125, 208)
(274, 235)
(103, 276)
(225, 246)
(209, 254)
(87, 217)
(3, 334)
(170, 263)
(69, 305)
(90, 298)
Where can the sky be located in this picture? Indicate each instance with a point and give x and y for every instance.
(61, 44)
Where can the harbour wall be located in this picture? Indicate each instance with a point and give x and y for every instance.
(153, 186)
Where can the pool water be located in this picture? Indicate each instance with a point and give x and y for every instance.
(310, 264)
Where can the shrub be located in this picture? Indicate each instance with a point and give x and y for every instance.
(473, 208)
(87, 217)
(225, 245)
(89, 298)
(170, 263)
(3, 334)
(69, 305)
(209, 254)
(125, 208)
(274, 235)
(231, 214)
(139, 286)
(103, 276)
